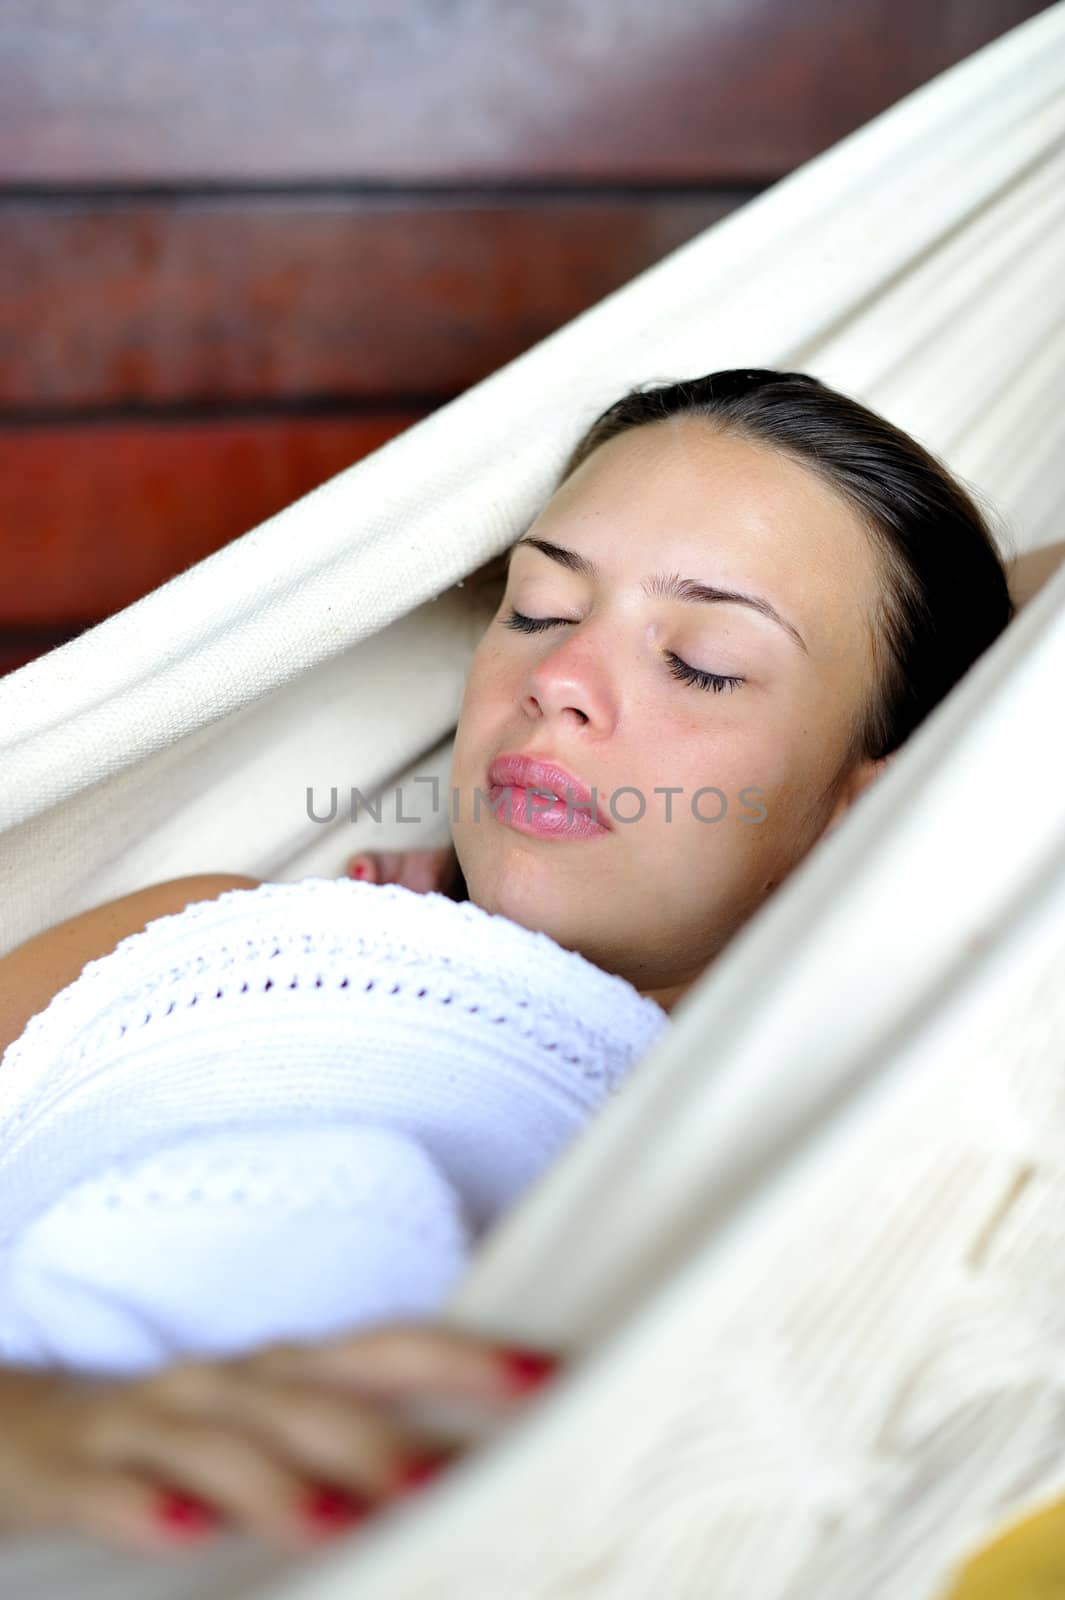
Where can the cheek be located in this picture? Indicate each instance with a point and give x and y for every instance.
(486, 711)
(724, 747)
(676, 770)
(768, 770)
(482, 683)
(490, 677)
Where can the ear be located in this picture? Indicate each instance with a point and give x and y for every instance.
(861, 775)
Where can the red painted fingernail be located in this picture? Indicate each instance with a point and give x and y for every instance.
(414, 1473)
(527, 1368)
(325, 1504)
(183, 1513)
(358, 870)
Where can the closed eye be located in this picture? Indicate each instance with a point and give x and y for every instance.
(715, 681)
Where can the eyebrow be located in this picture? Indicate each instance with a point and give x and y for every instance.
(663, 585)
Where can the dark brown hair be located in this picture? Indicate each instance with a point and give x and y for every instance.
(945, 597)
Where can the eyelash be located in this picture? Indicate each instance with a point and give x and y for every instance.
(714, 681)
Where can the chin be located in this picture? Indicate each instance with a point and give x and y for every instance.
(517, 895)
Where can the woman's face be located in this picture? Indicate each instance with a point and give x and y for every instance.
(655, 898)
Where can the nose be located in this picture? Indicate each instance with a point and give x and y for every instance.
(571, 678)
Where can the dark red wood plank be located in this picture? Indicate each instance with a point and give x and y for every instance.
(190, 90)
(94, 516)
(122, 302)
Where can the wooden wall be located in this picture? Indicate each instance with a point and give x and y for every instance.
(242, 245)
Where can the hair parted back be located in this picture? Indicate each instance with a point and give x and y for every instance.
(945, 596)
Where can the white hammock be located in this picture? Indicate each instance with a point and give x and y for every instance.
(811, 1262)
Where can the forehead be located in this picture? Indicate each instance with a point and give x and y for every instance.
(681, 496)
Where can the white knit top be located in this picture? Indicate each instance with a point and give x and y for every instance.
(285, 1112)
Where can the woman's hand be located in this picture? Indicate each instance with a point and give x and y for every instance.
(253, 1442)
(424, 871)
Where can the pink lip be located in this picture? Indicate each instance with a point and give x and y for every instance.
(519, 772)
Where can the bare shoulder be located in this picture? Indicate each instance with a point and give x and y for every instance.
(35, 971)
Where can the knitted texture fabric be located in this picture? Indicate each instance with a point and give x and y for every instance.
(285, 1112)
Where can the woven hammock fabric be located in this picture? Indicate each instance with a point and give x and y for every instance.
(810, 1263)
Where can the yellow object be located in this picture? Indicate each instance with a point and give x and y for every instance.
(1026, 1562)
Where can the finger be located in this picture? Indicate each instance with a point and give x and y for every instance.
(128, 1511)
(238, 1477)
(388, 864)
(421, 871)
(350, 1443)
(363, 867)
(424, 870)
(392, 1360)
(60, 1487)
(377, 866)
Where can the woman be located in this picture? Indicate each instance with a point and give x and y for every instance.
(743, 596)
